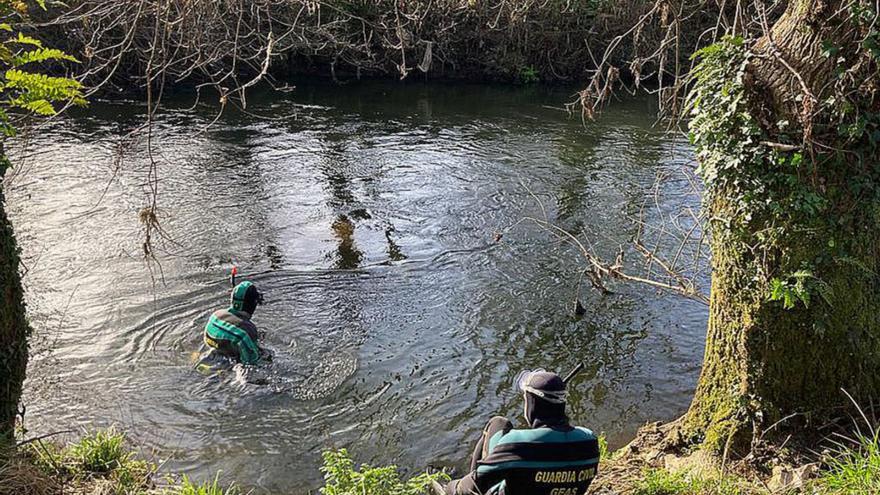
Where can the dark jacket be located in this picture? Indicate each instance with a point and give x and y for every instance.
(558, 460)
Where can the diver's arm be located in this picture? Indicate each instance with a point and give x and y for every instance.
(248, 352)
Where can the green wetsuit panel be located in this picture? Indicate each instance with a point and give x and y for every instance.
(221, 328)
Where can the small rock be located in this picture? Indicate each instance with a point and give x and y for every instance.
(787, 478)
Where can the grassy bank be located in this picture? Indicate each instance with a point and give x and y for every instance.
(851, 468)
(103, 463)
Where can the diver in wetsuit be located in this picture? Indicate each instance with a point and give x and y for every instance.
(230, 331)
(551, 457)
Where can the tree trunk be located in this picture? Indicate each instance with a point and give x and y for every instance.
(764, 362)
(14, 328)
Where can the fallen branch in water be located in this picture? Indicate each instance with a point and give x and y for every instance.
(597, 269)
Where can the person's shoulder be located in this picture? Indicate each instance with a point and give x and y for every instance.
(547, 435)
(585, 432)
(220, 313)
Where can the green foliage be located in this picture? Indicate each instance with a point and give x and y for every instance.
(24, 87)
(528, 75)
(102, 457)
(132, 476)
(604, 453)
(763, 186)
(663, 482)
(342, 477)
(187, 487)
(723, 131)
(852, 469)
(798, 287)
(100, 452)
(603, 447)
(785, 206)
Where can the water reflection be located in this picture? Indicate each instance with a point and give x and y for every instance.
(347, 255)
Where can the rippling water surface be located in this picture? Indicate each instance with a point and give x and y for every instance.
(367, 215)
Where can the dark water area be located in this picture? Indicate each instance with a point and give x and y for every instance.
(367, 215)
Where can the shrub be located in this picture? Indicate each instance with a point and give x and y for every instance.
(528, 75)
(100, 452)
(342, 477)
(187, 487)
(663, 482)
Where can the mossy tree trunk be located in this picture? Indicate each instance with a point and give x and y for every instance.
(14, 328)
(792, 197)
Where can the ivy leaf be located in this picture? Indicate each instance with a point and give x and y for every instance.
(829, 49)
(872, 46)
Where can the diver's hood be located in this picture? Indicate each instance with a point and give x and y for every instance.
(245, 297)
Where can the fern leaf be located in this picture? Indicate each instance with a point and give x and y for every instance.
(41, 86)
(41, 55)
(27, 40)
(39, 107)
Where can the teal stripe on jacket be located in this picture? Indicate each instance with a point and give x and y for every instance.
(218, 329)
(538, 436)
(535, 465)
(541, 435)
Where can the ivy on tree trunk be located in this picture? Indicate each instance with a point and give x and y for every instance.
(14, 328)
(787, 133)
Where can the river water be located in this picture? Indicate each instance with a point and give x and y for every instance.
(367, 214)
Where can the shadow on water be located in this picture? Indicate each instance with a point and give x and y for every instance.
(367, 215)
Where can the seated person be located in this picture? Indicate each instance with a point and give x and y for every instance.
(551, 457)
(230, 332)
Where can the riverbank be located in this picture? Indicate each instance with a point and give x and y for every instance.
(105, 463)
(100, 463)
(845, 462)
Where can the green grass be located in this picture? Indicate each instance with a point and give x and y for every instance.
(528, 75)
(103, 459)
(663, 482)
(100, 452)
(187, 487)
(854, 468)
(104, 462)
